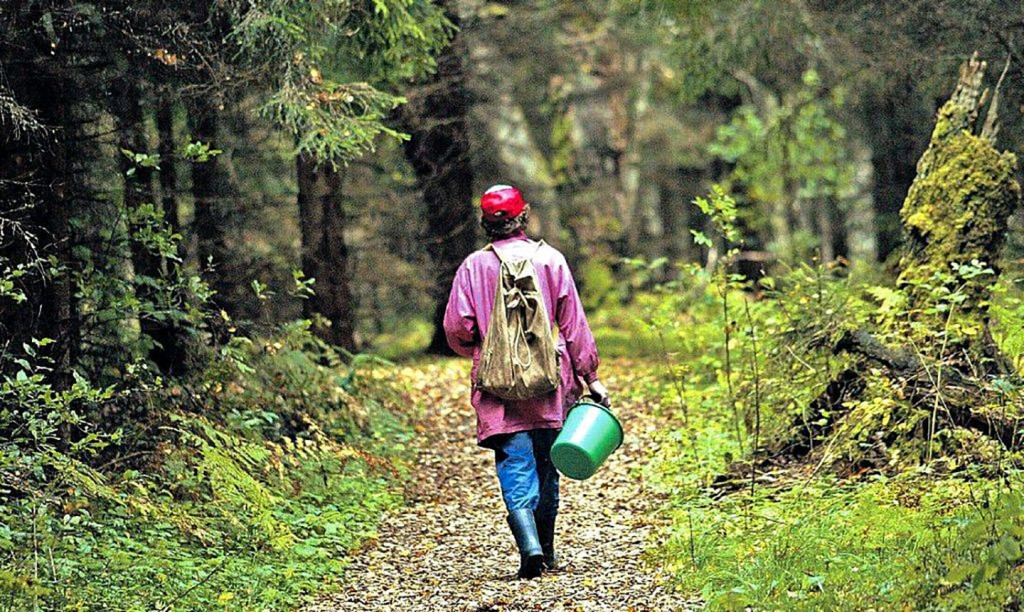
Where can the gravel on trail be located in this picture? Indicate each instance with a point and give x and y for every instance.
(450, 549)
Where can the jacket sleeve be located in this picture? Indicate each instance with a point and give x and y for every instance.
(573, 326)
(460, 326)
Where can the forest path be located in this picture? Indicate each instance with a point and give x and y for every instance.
(450, 549)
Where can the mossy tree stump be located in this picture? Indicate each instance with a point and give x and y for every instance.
(931, 365)
(955, 221)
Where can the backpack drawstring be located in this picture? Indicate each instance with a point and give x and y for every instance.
(517, 343)
(515, 298)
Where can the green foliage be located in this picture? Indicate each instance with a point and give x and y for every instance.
(9, 276)
(599, 287)
(721, 208)
(930, 530)
(34, 414)
(128, 275)
(885, 543)
(250, 504)
(141, 160)
(198, 152)
(408, 337)
(187, 493)
(806, 541)
(286, 386)
(1007, 312)
(791, 156)
(329, 64)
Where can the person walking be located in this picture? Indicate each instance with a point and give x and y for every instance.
(521, 431)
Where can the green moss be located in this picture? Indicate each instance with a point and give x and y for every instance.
(955, 213)
(957, 208)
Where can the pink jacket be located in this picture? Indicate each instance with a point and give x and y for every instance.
(469, 312)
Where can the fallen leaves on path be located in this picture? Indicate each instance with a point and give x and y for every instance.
(450, 549)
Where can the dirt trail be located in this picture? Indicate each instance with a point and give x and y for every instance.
(450, 549)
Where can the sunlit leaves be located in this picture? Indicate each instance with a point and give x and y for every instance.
(199, 152)
(721, 208)
(788, 155)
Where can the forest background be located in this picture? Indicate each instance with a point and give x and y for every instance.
(218, 219)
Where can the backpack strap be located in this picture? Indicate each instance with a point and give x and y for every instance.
(540, 243)
(494, 249)
(490, 247)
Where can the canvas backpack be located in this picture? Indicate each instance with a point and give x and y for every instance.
(518, 358)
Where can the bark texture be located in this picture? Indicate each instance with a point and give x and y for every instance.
(325, 254)
(39, 185)
(214, 193)
(168, 165)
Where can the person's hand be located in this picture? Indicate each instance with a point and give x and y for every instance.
(600, 394)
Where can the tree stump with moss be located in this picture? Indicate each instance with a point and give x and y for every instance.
(955, 221)
(932, 365)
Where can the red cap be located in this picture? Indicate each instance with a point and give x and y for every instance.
(502, 202)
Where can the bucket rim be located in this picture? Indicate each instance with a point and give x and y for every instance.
(608, 411)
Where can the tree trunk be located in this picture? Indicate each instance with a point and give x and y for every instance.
(676, 209)
(38, 188)
(526, 164)
(955, 214)
(213, 192)
(859, 222)
(168, 164)
(826, 229)
(897, 138)
(324, 252)
(627, 108)
(171, 344)
(138, 180)
(438, 150)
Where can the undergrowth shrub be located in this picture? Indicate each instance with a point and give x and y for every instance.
(860, 501)
(749, 358)
(759, 358)
(286, 385)
(272, 465)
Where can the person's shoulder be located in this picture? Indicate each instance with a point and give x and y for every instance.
(478, 256)
(551, 253)
(551, 259)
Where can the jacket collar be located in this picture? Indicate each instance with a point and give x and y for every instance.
(518, 235)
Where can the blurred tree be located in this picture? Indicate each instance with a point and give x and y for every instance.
(438, 150)
(791, 162)
(517, 94)
(328, 66)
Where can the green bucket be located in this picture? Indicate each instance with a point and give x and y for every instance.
(590, 434)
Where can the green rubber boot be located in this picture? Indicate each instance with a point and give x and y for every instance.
(546, 534)
(531, 555)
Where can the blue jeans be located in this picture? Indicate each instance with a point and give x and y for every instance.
(527, 477)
